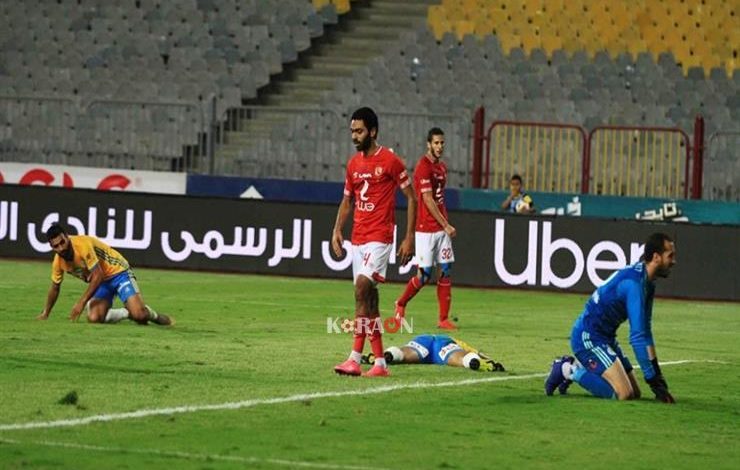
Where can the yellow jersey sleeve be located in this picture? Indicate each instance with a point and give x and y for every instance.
(57, 273)
(84, 248)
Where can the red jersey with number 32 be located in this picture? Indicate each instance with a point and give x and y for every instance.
(430, 177)
(372, 180)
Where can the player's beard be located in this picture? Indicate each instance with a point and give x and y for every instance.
(363, 145)
(68, 254)
(663, 271)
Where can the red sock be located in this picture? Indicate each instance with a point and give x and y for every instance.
(360, 333)
(444, 296)
(376, 339)
(412, 288)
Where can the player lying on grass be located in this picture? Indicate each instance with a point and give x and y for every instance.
(106, 272)
(442, 350)
(601, 366)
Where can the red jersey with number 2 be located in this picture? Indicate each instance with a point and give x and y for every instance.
(372, 180)
(430, 177)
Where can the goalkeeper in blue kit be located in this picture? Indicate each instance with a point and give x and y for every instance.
(599, 364)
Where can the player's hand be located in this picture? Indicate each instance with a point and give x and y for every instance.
(43, 316)
(76, 311)
(337, 240)
(450, 230)
(660, 388)
(406, 251)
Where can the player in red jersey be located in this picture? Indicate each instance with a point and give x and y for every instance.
(434, 233)
(373, 174)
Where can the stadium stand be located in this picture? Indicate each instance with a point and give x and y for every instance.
(307, 63)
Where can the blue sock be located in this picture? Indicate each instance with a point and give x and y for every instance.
(593, 383)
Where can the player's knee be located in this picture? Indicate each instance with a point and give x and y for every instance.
(138, 314)
(425, 275)
(625, 393)
(444, 270)
(95, 316)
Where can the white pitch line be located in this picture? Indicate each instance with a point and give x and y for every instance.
(145, 413)
(190, 456)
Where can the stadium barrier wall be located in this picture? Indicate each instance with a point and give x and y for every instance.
(491, 250)
(616, 207)
(93, 178)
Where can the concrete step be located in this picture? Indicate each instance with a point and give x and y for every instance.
(405, 7)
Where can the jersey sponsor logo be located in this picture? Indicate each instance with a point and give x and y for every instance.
(424, 352)
(356, 175)
(445, 351)
(362, 204)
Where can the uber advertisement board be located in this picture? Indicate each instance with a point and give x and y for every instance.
(495, 250)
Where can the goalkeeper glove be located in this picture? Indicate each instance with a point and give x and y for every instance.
(659, 386)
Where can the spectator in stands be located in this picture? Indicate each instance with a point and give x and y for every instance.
(518, 202)
(107, 274)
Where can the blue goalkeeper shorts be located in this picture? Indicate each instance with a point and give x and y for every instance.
(433, 349)
(595, 354)
(122, 284)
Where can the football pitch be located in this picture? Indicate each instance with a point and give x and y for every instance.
(245, 380)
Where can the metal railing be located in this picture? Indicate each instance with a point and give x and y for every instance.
(548, 156)
(106, 133)
(722, 167)
(37, 128)
(638, 161)
(315, 144)
(144, 135)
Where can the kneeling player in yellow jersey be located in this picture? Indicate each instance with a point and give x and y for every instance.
(106, 272)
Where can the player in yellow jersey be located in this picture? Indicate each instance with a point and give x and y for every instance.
(106, 272)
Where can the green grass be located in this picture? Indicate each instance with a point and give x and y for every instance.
(250, 337)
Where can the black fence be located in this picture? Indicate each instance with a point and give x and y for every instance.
(540, 252)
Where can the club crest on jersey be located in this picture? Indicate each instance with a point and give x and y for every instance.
(378, 170)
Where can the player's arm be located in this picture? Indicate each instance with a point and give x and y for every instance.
(337, 239)
(641, 338)
(507, 202)
(431, 205)
(406, 251)
(51, 300)
(94, 281)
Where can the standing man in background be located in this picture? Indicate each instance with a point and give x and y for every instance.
(518, 202)
(434, 232)
(373, 174)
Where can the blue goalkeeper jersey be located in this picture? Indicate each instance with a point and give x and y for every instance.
(626, 295)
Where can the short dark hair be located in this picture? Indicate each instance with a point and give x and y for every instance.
(54, 231)
(432, 132)
(368, 116)
(655, 244)
(516, 176)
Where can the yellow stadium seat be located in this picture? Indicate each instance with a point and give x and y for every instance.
(319, 4)
(462, 28)
(702, 33)
(530, 41)
(508, 42)
(437, 22)
(483, 27)
(342, 6)
(635, 47)
(551, 43)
